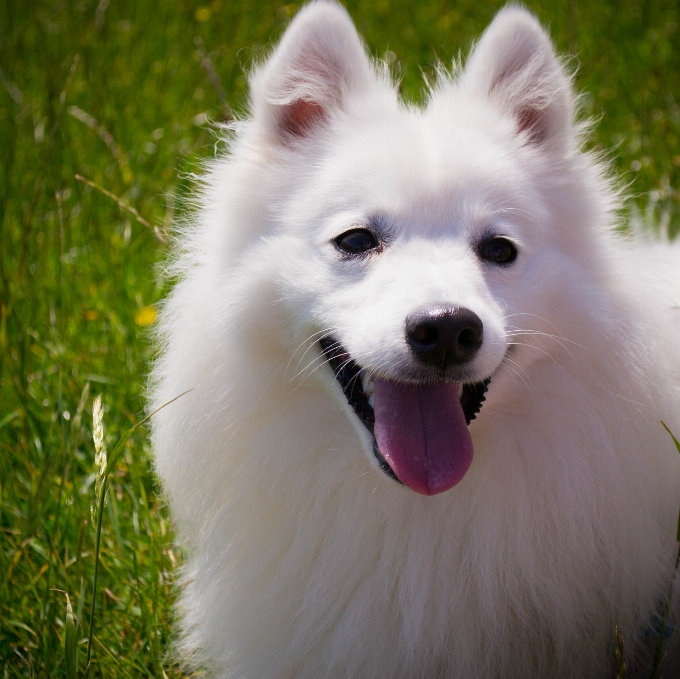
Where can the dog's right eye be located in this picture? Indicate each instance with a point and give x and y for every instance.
(498, 250)
(356, 241)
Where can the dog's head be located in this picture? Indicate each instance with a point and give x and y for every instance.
(421, 250)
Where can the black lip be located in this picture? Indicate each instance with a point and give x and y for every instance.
(347, 373)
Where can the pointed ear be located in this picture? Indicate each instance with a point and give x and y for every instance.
(514, 64)
(318, 66)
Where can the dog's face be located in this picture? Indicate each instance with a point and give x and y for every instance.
(419, 250)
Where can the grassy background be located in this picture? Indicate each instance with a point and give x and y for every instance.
(78, 274)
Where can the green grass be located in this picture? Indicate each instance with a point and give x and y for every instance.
(79, 276)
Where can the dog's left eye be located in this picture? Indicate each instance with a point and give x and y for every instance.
(356, 241)
(498, 251)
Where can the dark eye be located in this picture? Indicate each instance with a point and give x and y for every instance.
(356, 241)
(498, 251)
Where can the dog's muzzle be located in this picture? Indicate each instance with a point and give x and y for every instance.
(357, 386)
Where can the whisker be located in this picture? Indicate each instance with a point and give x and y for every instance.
(516, 370)
(541, 318)
(556, 339)
(312, 339)
(560, 338)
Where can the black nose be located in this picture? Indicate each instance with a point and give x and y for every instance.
(444, 335)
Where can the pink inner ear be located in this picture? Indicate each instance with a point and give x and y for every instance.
(298, 117)
(531, 120)
(317, 80)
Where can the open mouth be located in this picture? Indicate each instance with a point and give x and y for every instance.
(420, 436)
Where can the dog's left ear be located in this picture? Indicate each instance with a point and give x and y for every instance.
(319, 65)
(514, 64)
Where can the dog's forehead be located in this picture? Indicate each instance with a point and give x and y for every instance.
(419, 170)
(420, 150)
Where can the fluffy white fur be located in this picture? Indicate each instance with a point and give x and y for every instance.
(304, 559)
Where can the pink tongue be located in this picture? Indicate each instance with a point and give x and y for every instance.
(421, 432)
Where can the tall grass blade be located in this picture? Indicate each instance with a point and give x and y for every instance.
(677, 443)
(620, 662)
(118, 448)
(104, 467)
(98, 533)
(70, 640)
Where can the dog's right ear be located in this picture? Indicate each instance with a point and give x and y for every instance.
(515, 66)
(319, 64)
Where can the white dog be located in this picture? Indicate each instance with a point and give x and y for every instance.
(363, 281)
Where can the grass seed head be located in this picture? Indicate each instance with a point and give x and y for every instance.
(100, 459)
